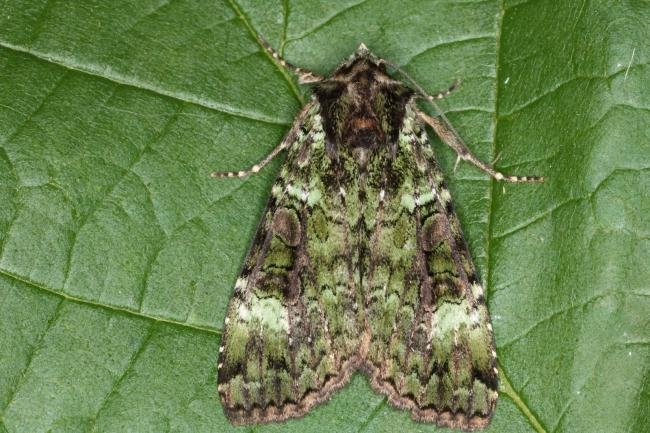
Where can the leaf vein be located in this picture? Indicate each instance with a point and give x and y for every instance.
(364, 425)
(126, 371)
(536, 218)
(508, 390)
(255, 34)
(35, 347)
(123, 310)
(327, 21)
(451, 42)
(128, 170)
(554, 314)
(125, 80)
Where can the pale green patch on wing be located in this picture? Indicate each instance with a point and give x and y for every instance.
(314, 197)
(408, 201)
(267, 312)
(450, 318)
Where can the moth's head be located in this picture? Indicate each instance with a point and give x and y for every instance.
(363, 53)
(362, 50)
(361, 59)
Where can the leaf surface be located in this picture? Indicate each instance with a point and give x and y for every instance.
(118, 254)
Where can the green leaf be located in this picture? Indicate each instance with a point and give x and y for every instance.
(118, 254)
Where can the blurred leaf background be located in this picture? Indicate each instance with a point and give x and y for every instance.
(118, 254)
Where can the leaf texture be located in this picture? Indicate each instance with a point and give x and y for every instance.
(118, 254)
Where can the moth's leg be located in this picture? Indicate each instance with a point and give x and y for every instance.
(289, 138)
(304, 76)
(448, 134)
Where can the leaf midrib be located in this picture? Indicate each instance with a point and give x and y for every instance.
(505, 385)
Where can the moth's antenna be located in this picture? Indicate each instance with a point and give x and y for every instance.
(304, 76)
(423, 93)
(450, 136)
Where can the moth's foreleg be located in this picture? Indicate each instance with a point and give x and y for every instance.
(289, 138)
(304, 76)
(448, 134)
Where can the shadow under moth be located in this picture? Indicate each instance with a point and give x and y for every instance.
(359, 263)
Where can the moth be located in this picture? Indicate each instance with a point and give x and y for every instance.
(359, 263)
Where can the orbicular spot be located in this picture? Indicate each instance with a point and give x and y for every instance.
(398, 236)
(433, 231)
(287, 226)
(441, 260)
(279, 255)
(318, 225)
(303, 156)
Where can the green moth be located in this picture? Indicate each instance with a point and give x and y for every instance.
(359, 263)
